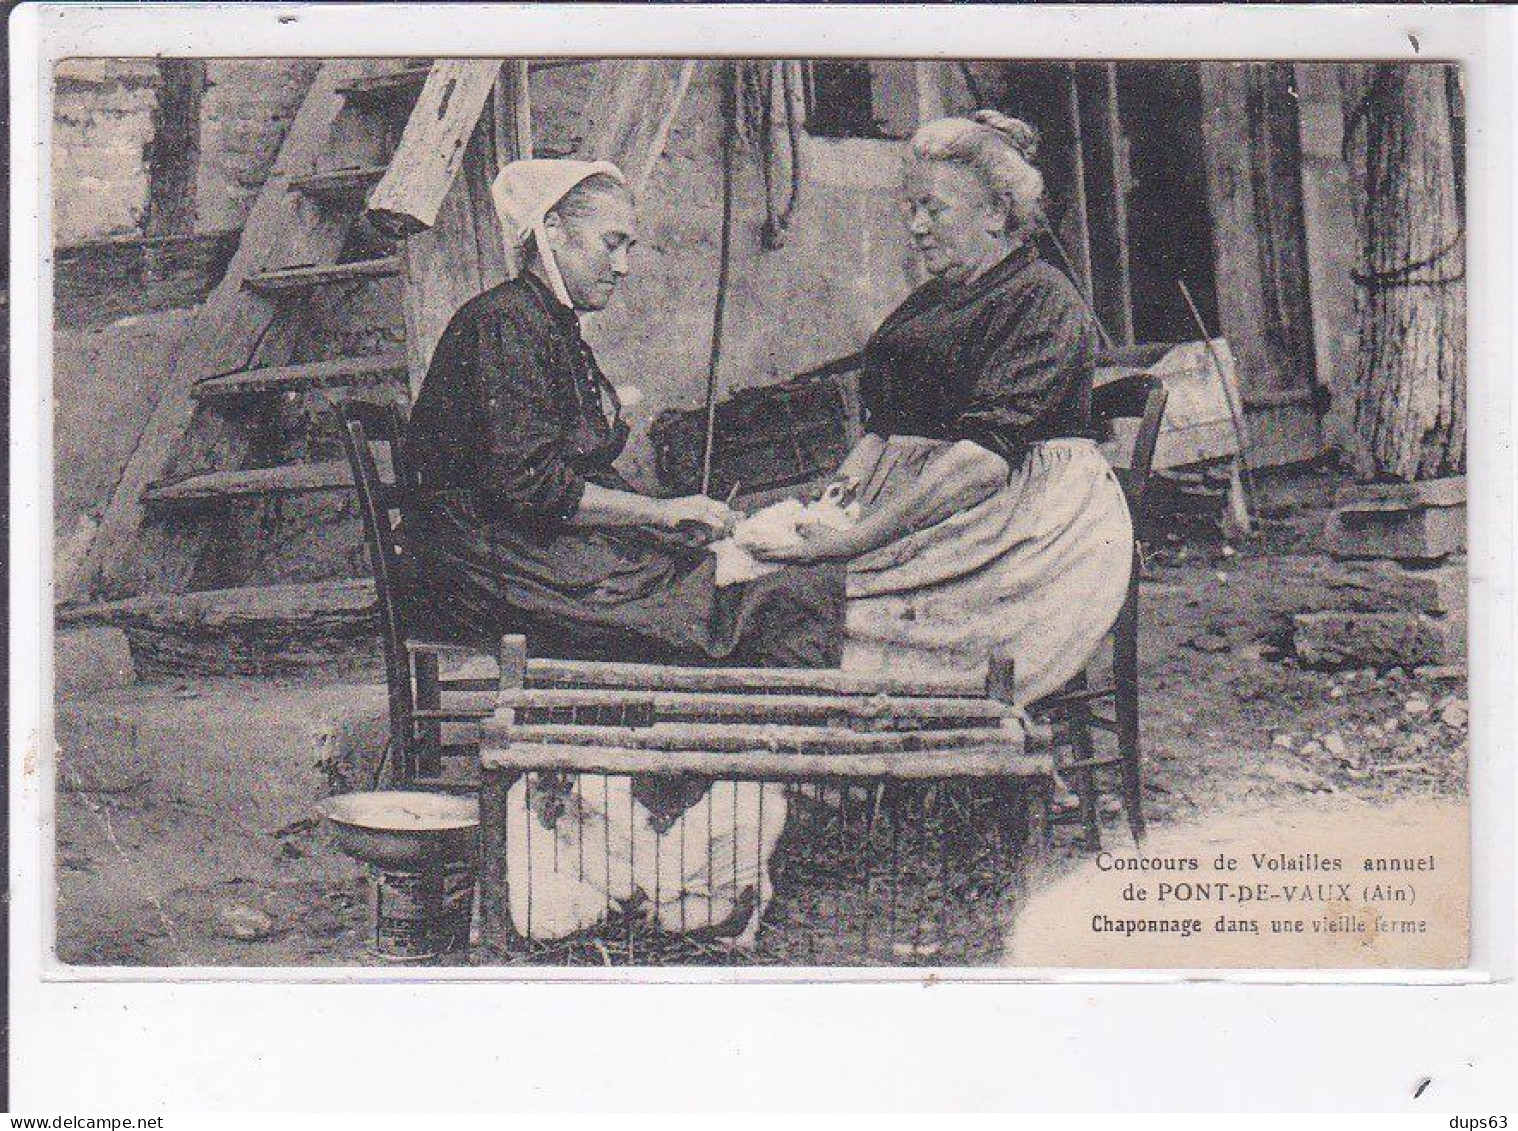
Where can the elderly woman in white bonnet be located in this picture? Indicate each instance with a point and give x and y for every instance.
(990, 517)
(519, 521)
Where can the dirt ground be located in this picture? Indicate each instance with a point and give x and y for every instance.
(184, 812)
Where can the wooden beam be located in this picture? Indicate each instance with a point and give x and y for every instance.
(1075, 229)
(431, 150)
(228, 332)
(1333, 240)
(463, 253)
(931, 100)
(996, 760)
(175, 151)
(1253, 189)
(632, 107)
(1106, 179)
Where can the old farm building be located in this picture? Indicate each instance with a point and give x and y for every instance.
(240, 243)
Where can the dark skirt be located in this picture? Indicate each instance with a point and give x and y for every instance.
(633, 594)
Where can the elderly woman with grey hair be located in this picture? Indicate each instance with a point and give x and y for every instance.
(990, 518)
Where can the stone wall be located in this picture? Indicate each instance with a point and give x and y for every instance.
(102, 126)
(845, 264)
(103, 132)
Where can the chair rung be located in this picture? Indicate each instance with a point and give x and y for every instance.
(442, 646)
(1092, 763)
(468, 684)
(1103, 722)
(455, 714)
(1063, 702)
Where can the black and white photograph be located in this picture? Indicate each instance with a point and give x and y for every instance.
(790, 512)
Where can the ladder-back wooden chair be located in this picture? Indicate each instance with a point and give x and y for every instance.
(412, 677)
(1143, 397)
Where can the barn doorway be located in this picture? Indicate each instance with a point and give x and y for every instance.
(1169, 225)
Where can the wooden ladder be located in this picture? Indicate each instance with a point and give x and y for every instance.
(383, 174)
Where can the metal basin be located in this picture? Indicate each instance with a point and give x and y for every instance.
(404, 830)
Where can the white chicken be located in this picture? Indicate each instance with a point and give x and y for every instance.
(776, 527)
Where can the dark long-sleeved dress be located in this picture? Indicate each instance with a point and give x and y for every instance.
(510, 425)
(1040, 566)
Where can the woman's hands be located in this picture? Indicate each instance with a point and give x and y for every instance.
(696, 510)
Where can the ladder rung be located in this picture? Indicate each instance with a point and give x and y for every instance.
(214, 486)
(403, 85)
(339, 186)
(339, 373)
(323, 274)
(376, 90)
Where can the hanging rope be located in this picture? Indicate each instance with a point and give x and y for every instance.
(724, 255)
(777, 220)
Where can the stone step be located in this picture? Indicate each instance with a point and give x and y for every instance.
(266, 630)
(345, 372)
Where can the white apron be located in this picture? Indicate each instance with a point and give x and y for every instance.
(1040, 568)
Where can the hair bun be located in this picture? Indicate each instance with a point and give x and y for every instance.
(1022, 136)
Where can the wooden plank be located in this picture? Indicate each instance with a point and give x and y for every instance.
(340, 186)
(326, 626)
(629, 109)
(251, 605)
(460, 256)
(287, 279)
(975, 760)
(733, 737)
(1252, 182)
(339, 373)
(431, 151)
(543, 672)
(213, 486)
(666, 706)
(233, 327)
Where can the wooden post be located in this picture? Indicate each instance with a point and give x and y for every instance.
(460, 251)
(931, 102)
(1410, 380)
(176, 147)
(1075, 229)
(1249, 136)
(1001, 677)
(409, 197)
(1105, 180)
(512, 655)
(495, 905)
(1333, 241)
(511, 111)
